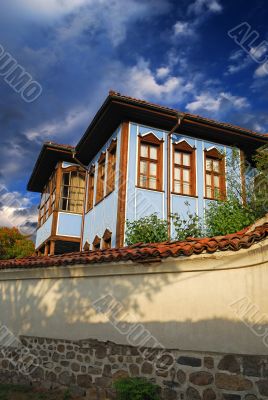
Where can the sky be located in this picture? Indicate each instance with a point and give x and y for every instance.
(183, 54)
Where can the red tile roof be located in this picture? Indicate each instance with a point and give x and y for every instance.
(148, 252)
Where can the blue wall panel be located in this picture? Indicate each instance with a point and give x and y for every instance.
(43, 232)
(69, 225)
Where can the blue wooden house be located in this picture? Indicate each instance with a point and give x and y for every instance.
(135, 158)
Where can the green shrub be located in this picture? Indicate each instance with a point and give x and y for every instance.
(149, 229)
(136, 389)
(190, 226)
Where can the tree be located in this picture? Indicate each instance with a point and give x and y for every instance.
(149, 229)
(14, 245)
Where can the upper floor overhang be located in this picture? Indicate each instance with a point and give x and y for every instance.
(51, 153)
(118, 108)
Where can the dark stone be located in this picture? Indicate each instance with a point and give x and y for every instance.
(169, 394)
(61, 348)
(107, 371)
(103, 382)
(181, 376)
(101, 352)
(232, 382)
(77, 391)
(252, 366)
(251, 397)
(226, 396)
(94, 371)
(201, 378)
(263, 387)
(84, 381)
(120, 374)
(146, 368)
(75, 367)
(191, 361)
(134, 370)
(66, 379)
(208, 362)
(192, 394)
(229, 363)
(70, 355)
(209, 394)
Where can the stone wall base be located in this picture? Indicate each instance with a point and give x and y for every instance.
(89, 367)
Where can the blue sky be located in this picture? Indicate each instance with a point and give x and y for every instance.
(176, 53)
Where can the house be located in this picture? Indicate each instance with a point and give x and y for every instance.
(135, 158)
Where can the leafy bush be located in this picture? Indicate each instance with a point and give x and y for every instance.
(187, 227)
(149, 229)
(228, 216)
(14, 245)
(136, 389)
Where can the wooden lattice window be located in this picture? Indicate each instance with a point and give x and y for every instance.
(48, 200)
(150, 167)
(215, 175)
(91, 186)
(101, 178)
(72, 191)
(184, 173)
(107, 239)
(111, 170)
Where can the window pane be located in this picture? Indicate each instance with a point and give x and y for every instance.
(153, 169)
(216, 181)
(152, 183)
(209, 191)
(66, 179)
(216, 165)
(177, 157)
(186, 188)
(208, 164)
(177, 186)
(186, 159)
(65, 191)
(144, 150)
(186, 175)
(177, 173)
(216, 193)
(143, 180)
(208, 177)
(143, 167)
(153, 152)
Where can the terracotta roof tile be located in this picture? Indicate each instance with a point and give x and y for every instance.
(147, 252)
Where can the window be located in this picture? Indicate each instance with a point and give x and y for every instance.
(184, 169)
(111, 167)
(150, 162)
(86, 246)
(72, 191)
(96, 243)
(107, 239)
(101, 178)
(91, 178)
(48, 200)
(215, 174)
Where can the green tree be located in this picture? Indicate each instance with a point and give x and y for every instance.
(136, 389)
(14, 245)
(149, 229)
(188, 226)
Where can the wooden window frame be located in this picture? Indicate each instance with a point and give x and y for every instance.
(69, 170)
(49, 205)
(91, 188)
(86, 246)
(96, 243)
(111, 167)
(101, 182)
(215, 154)
(151, 139)
(185, 148)
(107, 239)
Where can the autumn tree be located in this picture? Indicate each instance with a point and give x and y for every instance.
(14, 245)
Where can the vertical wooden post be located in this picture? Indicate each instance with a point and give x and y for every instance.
(52, 248)
(46, 249)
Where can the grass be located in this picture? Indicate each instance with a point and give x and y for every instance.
(17, 392)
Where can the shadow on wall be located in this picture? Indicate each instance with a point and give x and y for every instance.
(62, 308)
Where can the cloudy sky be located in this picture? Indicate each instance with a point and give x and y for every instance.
(176, 53)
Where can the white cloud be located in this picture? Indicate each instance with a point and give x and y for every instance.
(201, 6)
(162, 72)
(183, 29)
(216, 103)
(261, 71)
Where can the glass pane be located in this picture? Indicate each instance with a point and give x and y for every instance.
(208, 164)
(144, 150)
(143, 180)
(186, 159)
(186, 188)
(152, 183)
(216, 165)
(153, 152)
(153, 169)
(186, 175)
(143, 167)
(177, 157)
(64, 204)
(177, 186)
(177, 173)
(65, 191)
(66, 179)
(209, 191)
(208, 177)
(216, 181)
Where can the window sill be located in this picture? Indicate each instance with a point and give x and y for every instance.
(185, 195)
(151, 190)
(215, 199)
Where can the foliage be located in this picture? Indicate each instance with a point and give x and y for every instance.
(14, 245)
(258, 198)
(189, 226)
(149, 229)
(136, 389)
